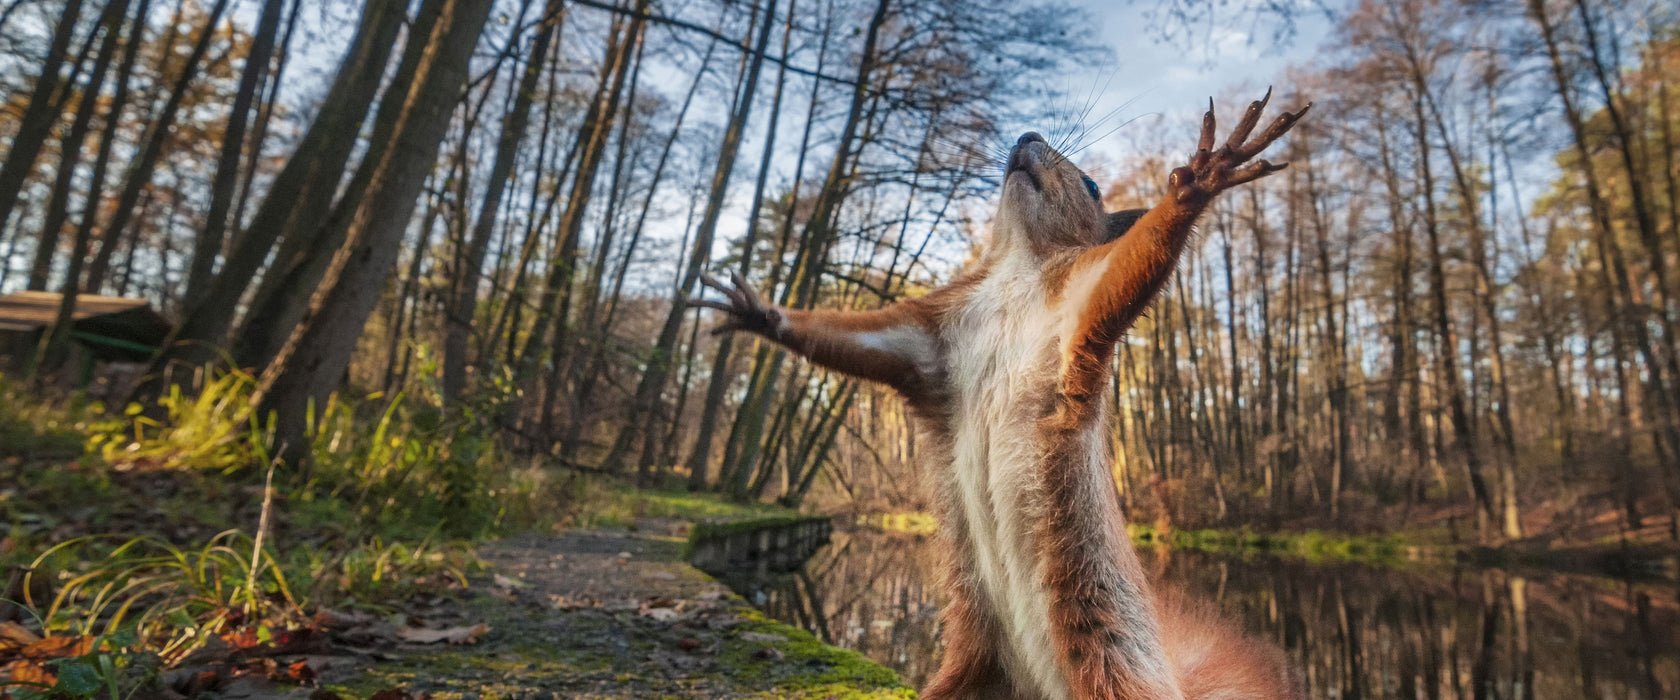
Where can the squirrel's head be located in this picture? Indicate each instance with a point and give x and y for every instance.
(1048, 203)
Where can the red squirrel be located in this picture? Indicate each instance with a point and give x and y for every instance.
(1005, 370)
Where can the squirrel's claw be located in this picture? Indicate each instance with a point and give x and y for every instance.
(1213, 170)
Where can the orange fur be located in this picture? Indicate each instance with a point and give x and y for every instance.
(1025, 456)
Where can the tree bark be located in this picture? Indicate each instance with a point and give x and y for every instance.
(311, 234)
(463, 303)
(657, 372)
(296, 199)
(313, 361)
(209, 243)
(70, 149)
(37, 122)
(157, 136)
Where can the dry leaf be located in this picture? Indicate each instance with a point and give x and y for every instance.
(454, 635)
(298, 672)
(507, 582)
(27, 673)
(58, 648)
(762, 637)
(15, 636)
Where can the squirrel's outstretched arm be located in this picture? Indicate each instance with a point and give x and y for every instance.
(895, 345)
(1111, 284)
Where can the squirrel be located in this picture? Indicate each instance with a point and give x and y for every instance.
(1004, 369)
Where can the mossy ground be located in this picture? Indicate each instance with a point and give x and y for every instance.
(581, 620)
(569, 616)
(604, 503)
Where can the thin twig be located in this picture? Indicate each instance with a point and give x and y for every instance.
(262, 533)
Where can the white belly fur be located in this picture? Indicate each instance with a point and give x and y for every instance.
(1007, 336)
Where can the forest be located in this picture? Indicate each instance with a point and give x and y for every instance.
(414, 273)
(1459, 295)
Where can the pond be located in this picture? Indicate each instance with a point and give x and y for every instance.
(1354, 631)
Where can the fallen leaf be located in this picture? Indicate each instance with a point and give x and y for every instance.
(58, 648)
(298, 672)
(27, 673)
(762, 637)
(454, 635)
(16, 636)
(688, 644)
(507, 582)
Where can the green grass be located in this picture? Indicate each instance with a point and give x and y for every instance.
(139, 528)
(31, 429)
(609, 503)
(1315, 546)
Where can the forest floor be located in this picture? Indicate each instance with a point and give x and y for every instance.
(137, 580)
(600, 612)
(585, 614)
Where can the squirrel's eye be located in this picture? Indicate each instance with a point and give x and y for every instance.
(1091, 186)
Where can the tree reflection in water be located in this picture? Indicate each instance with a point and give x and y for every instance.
(1354, 631)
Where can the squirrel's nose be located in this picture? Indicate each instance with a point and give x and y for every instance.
(1027, 138)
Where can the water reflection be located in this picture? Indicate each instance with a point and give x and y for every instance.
(1354, 631)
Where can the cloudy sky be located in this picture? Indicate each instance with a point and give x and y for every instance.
(1151, 76)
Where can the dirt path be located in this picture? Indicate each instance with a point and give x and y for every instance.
(606, 615)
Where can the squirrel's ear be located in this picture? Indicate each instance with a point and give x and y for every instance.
(1121, 221)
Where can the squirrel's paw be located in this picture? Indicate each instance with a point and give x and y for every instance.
(1212, 171)
(745, 311)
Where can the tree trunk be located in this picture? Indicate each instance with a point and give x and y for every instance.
(700, 457)
(1464, 430)
(209, 243)
(311, 234)
(313, 361)
(1667, 436)
(810, 259)
(37, 122)
(658, 365)
(157, 136)
(70, 149)
(589, 149)
(462, 305)
(296, 199)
